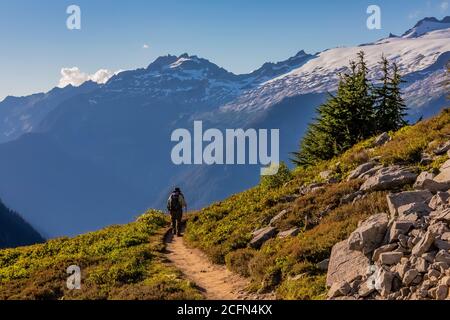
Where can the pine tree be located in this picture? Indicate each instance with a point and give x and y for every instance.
(343, 120)
(390, 109)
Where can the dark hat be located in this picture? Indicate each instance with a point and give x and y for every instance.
(177, 189)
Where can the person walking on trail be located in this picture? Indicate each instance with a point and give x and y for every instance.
(175, 205)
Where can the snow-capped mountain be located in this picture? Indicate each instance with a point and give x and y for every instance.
(20, 115)
(427, 25)
(414, 55)
(99, 154)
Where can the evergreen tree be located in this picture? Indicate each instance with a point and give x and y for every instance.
(390, 107)
(343, 120)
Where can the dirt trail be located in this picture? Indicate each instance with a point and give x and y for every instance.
(215, 281)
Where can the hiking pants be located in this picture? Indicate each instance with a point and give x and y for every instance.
(176, 221)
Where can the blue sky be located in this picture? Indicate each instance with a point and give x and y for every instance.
(239, 35)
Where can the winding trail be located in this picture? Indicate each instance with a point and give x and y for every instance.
(215, 281)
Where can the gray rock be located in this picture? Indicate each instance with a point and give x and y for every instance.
(278, 217)
(426, 159)
(425, 181)
(424, 244)
(289, 233)
(261, 236)
(345, 264)
(439, 200)
(360, 170)
(323, 265)
(443, 256)
(382, 139)
(438, 228)
(441, 244)
(421, 265)
(311, 188)
(418, 208)
(445, 236)
(339, 289)
(383, 249)
(350, 197)
(397, 200)
(390, 258)
(441, 292)
(368, 236)
(389, 178)
(384, 282)
(443, 148)
(366, 289)
(409, 276)
(399, 227)
(429, 256)
(441, 215)
(444, 174)
(370, 173)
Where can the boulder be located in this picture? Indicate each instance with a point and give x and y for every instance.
(384, 282)
(424, 244)
(442, 244)
(441, 215)
(360, 170)
(444, 174)
(350, 197)
(389, 178)
(383, 249)
(370, 173)
(441, 292)
(443, 256)
(339, 289)
(418, 208)
(323, 265)
(366, 289)
(289, 233)
(425, 159)
(278, 217)
(345, 264)
(390, 258)
(409, 276)
(425, 181)
(261, 236)
(442, 149)
(399, 227)
(439, 200)
(369, 235)
(382, 139)
(396, 200)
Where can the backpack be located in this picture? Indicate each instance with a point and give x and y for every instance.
(174, 202)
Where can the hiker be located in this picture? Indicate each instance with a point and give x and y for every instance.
(175, 205)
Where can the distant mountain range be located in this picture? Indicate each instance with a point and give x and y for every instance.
(78, 158)
(14, 231)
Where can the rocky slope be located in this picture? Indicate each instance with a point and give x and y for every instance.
(295, 236)
(403, 254)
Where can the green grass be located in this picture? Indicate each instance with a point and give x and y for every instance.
(118, 262)
(288, 266)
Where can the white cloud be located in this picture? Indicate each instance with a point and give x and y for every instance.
(76, 77)
(444, 6)
(145, 46)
